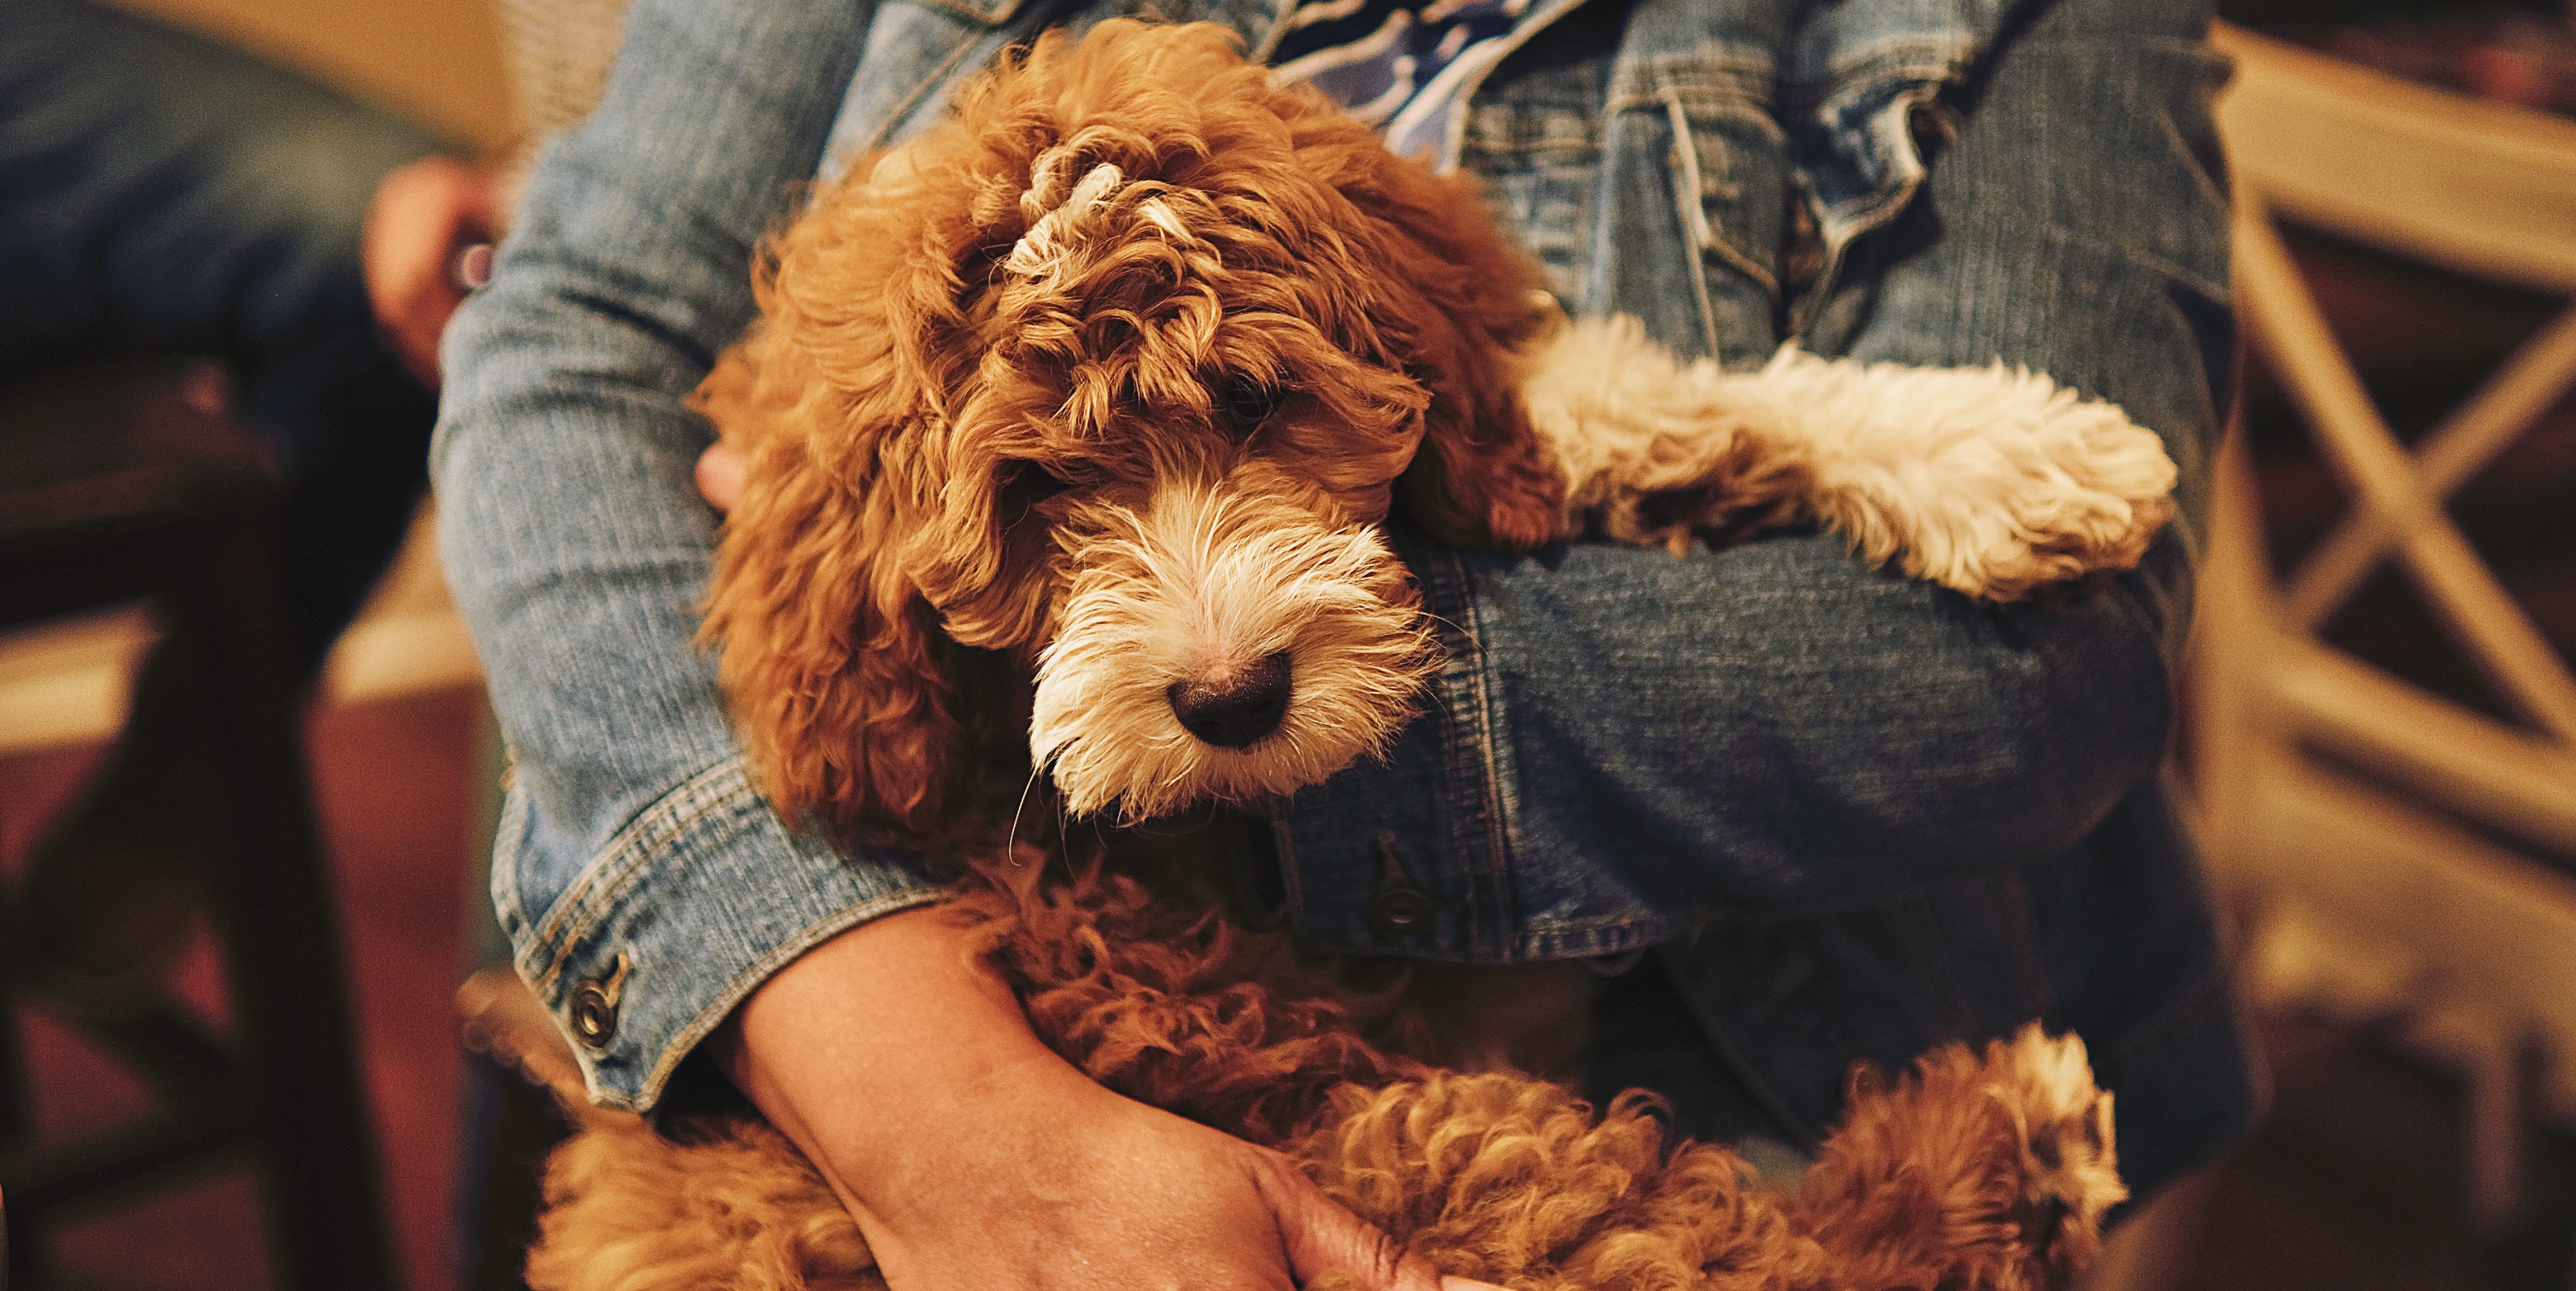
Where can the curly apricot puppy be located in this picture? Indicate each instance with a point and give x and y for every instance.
(1104, 385)
(1070, 426)
(1070, 423)
(1975, 1172)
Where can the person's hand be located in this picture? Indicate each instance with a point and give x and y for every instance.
(419, 254)
(974, 1158)
(1052, 1183)
(720, 470)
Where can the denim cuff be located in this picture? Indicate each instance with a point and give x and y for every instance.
(694, 903)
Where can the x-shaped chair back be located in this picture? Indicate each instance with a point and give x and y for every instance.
(2406, 872)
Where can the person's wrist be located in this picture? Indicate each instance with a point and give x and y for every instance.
(876, 1048)
(972, 1147)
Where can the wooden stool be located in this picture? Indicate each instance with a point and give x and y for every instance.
(115, 489)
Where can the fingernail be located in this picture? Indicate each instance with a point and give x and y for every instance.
(1448, 1283)
(473, 266)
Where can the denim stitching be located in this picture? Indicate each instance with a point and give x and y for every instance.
(1690, 203)
(722, 1006)
(630, 853)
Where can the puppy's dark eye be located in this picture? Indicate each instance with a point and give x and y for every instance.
(1029, 483)
(1246, 403)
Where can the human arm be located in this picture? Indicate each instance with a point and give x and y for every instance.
(1773, 727)
(967, 1115)
(578, 549)
(649, 893)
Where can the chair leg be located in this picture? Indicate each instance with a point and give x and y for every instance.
(281, 941)
(21, 1253)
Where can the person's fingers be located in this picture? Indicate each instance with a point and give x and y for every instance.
(720, 472)
(1322, 1237)
(472, 267)
(422, 215)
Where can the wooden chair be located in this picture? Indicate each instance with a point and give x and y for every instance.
(115, 488)
(2402, 859)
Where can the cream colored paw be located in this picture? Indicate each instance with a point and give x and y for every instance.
(2071, 1160)
(1654, 450)
(1990, 481)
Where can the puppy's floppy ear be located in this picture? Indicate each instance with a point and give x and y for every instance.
(1481, 477)
(859, 714)
(844, 691)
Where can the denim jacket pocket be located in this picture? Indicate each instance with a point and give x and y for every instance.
(1537, 146)
(1695, 130)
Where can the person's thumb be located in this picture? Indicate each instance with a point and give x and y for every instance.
(1323, 1238)
(720, 474)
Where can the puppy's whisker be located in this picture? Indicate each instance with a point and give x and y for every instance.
(1021, 807)
(1454, 625)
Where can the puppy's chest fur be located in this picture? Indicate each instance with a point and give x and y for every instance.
(1532, 1018)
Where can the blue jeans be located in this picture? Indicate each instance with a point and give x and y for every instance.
(159, 192)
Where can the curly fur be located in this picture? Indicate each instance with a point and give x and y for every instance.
(987, 342)
(1991, 482)
(1104, 386)
(1975, 1172)
(997, 501)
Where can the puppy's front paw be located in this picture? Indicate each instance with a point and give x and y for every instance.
(2070, 1168)
(1990, 481)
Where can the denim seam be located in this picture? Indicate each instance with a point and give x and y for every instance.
(2182, 273)
(1587, 148)
(630, 853)
(1453, 146)
(508, 833)
(1734, 79)
(1459, 693)
(1736, 111)
(1495, 805)
(1284, 838)
(939, 75)
(992, 14)
(1911, 57)
(1841, 226)
(1588, 939)
(760, 970)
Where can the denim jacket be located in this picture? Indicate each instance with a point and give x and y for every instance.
(1856, 814)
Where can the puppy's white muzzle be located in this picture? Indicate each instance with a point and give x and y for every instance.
(1220, 645)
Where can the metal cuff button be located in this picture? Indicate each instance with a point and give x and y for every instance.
(594, 1005)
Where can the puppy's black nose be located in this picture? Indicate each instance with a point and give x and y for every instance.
(1235, 708)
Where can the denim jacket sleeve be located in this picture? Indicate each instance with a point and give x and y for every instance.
(645, 886)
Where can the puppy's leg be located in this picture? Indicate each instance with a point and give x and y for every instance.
(1988, 481)
(733, 1208)
(1985, 1173)
(1654, 450)
(1516, 1181)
